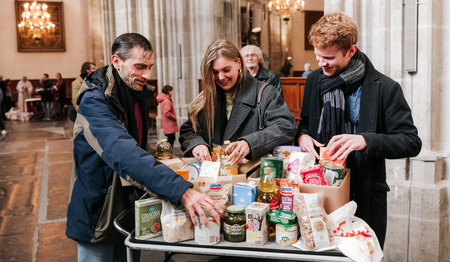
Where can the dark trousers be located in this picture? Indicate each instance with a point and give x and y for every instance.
(171, 138)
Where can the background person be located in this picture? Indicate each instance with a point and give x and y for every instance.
(358, 112)
(168, 115)
(24, 91)
(254, 62)
(2, 124)
(227, 109)
(110, 138)
(86, 69)
(59, 95)
(45, 90)
(308, 70)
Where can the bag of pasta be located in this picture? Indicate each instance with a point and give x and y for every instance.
(176, 224)
(315, 228)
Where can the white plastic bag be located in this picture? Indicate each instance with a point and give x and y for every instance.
(353, 236)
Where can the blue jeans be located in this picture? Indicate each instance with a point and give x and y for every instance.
(105, 252)
(47, 106)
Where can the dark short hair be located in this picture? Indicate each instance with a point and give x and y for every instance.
(86, 66)
(166, 89)
(126, 42)
(46, 75)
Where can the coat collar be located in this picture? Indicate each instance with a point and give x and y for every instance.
(245, 100)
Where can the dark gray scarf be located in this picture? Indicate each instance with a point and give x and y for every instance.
(333, 118)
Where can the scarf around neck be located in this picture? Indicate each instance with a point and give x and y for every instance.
(127, 99)
(333, 90)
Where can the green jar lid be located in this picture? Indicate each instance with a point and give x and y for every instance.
(234, 209)
(281, 217)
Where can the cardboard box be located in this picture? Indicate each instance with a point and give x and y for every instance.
(334, 197)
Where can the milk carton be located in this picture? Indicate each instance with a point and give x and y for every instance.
(257, 224)
(244, 193)
(148, 218)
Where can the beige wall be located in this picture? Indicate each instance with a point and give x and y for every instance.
(300, 56)
(79, 47)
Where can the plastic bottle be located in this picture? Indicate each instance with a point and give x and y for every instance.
(226, 168)
(266, 194)
(164, 150)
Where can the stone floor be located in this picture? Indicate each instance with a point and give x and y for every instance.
(35, 169)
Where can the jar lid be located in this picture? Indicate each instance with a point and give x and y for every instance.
(234, 209)
(226, 142)
(281, 217)
(164, 140)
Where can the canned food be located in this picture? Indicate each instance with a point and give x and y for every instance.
(193, 171)
(286, 235)
(234, 224)
(207, 235)
(333, 172)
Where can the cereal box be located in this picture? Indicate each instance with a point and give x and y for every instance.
(257, 224)
(148, 218)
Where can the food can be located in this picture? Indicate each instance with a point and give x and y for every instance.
(286, 235)
(275, 163)
(207, 235)
(333, 172)
(193, 170)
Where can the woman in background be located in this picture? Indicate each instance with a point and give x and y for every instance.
(168, 116)
(227, 109)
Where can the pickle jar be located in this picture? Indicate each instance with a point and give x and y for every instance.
(234, 224)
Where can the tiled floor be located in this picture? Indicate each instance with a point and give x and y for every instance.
(35, 170)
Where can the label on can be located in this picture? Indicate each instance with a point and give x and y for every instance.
(207, 235)
(286, 235)
(334, 173)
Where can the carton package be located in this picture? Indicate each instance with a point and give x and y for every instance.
(334, 197)
(257, 223)
(244, 193)
(148, 218)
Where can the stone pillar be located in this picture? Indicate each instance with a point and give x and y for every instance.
(183, 31)
(418, 207)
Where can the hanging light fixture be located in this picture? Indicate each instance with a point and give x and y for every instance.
(286, 8)
(35, 21)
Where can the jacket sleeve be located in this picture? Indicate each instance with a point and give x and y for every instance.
(120, 151)
(166, 109)
(279, 124)
(398, 137)
(303, 126)
(189, 139)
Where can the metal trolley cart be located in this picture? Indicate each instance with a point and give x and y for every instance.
(270, 250)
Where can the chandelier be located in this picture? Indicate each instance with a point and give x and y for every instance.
(35, 21)
(286, 8)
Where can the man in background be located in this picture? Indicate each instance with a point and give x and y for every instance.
(254, 61)
(86, 69)
(24, 91)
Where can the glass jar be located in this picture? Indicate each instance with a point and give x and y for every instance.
(234, 224)
(164, 150)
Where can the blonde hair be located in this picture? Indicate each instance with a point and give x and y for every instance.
(254, 48)
(206, 99)
(334, 29)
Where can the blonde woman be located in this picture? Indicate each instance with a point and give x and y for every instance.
(227, 109)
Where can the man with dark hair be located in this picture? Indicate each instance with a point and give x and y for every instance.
(110, 138)
(45, 90)
(86, 69)
(358, 113)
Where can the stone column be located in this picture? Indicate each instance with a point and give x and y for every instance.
(418, 201)
(183, 31)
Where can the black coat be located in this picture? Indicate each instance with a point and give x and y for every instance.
(280, 126)
(387, 126)
(268, 76)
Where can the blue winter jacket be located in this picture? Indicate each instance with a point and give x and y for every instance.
(102, 149)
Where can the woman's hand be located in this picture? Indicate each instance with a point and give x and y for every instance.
(237, 150)
(194, 201)
(201, 153)
(308, 143)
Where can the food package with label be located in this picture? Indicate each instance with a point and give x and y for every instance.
(257, 224)
(148, 218)
(244, 193)
(297, 162)
(313, 175)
